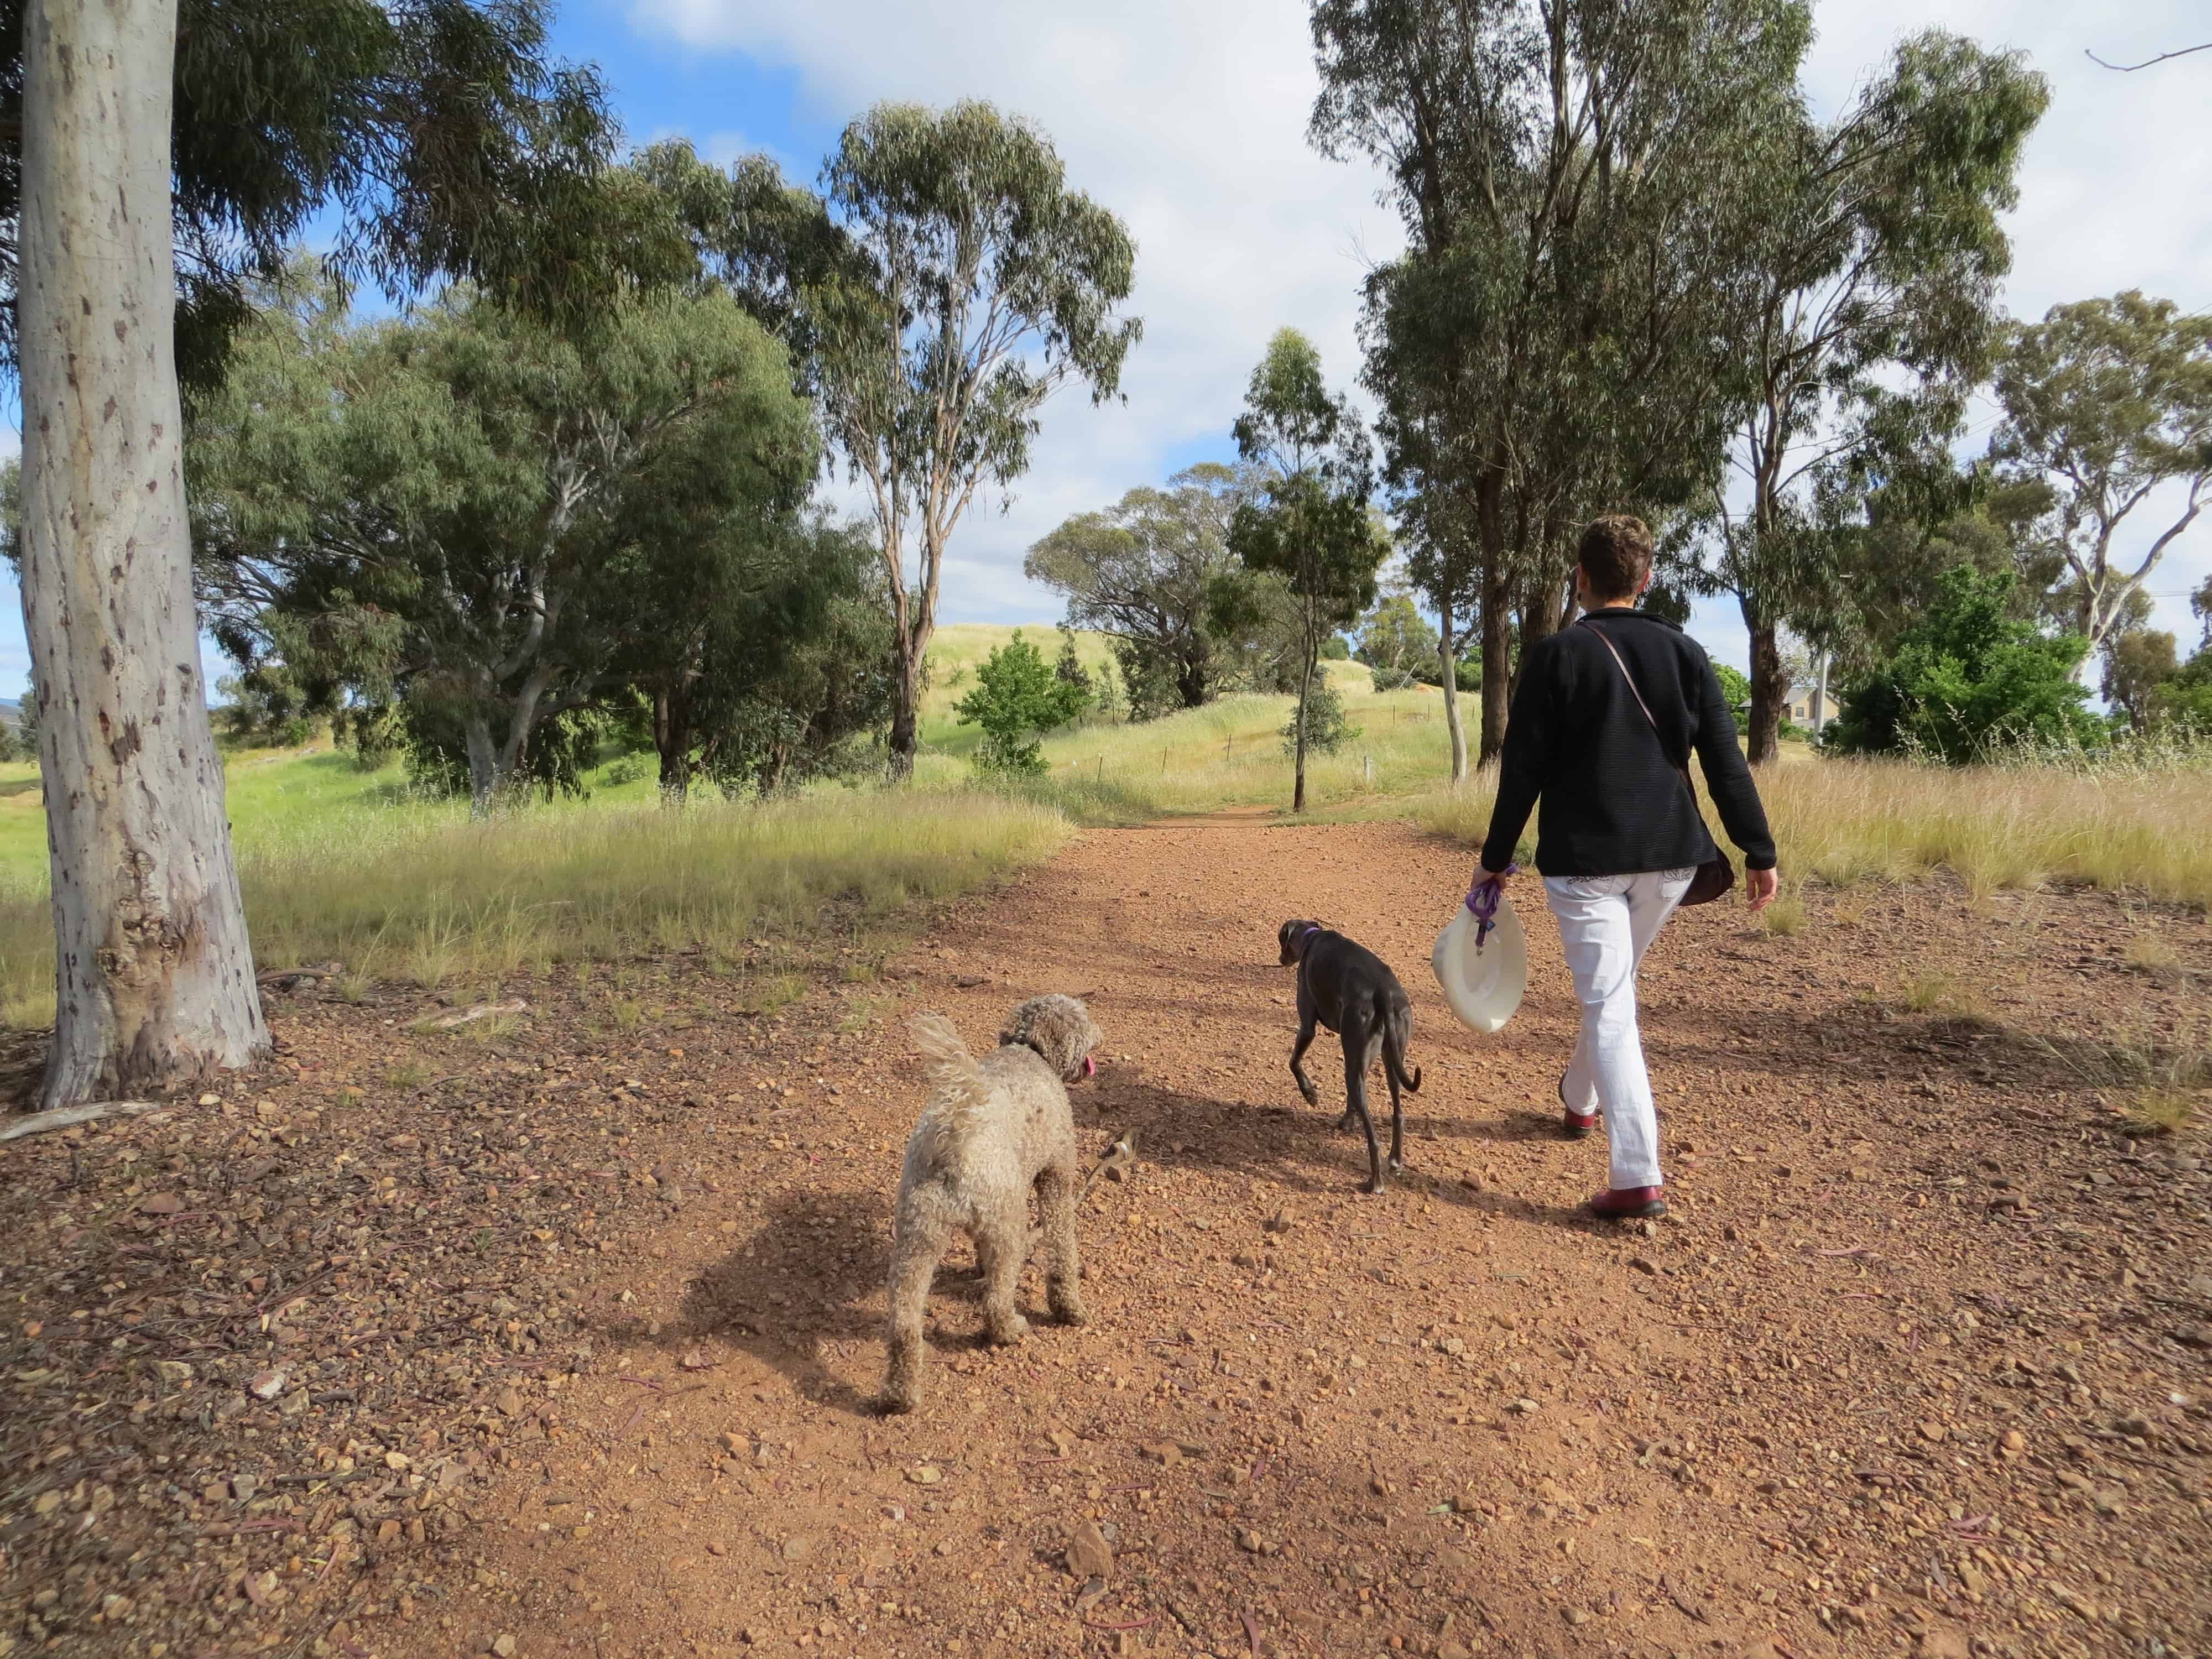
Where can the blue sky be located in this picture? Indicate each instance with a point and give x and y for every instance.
(1189, 122)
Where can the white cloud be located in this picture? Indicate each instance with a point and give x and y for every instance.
(1190, 121)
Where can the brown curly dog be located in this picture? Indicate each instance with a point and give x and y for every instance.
(993, 1128)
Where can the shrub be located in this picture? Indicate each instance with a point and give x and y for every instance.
(1016, 699)
(1326, 730)
(1968, 677)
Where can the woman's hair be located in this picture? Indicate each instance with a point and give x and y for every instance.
(1615, 555)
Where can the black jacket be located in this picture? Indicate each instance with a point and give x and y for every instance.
(1614, 803)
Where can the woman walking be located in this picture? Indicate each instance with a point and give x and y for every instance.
(1602, 727)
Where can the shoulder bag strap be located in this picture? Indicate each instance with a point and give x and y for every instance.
(1682, 772)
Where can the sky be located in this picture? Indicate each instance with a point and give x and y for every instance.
(1188, 121)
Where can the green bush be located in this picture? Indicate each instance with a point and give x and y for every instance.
(1969, 677)
(1016, 699)
(1326, 730)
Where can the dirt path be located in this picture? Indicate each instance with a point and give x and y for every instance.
(1918, 1361)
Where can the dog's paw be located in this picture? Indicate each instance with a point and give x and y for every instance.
(1013, 1331)
(1312, 1095)
(894, 1404)
(1372, 1186)
(1070, 1313)
(1397, 1166)
(1348, 1123)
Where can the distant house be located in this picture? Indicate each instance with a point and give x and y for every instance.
(1797, 707)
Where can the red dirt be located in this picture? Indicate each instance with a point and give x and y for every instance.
(1919, 1358)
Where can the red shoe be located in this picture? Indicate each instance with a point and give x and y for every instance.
(1628, 1203)
(1577, 1124)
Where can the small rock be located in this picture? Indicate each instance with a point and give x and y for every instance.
(924, 1475)
(1642, 1265)
(1165, 1453)
(160, 1204)
(2193, 1336)
(503, 1646)
(243, 1487)
(1932, 1431)
(266, 1385)
(1089, 1554)
(509, 1403)
(1452, 1650)
(1523, 1406)
(1252, 1544)
(797, 1547)
(718, 1548)
(1942, 1642)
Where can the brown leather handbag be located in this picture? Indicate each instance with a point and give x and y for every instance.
(1716, 876)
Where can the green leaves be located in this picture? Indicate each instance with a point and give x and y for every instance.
(530, 516)
(1018, 697)
(945, 284)
(1142, 571)
(1969, 679)
(2106, 400)
(440, 135)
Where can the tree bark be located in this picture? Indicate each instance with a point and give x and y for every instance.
(672, 741)
(483, 762)
(1496, 662)
(906, 702)
(1448, 661)
(1305, 690)
(1770, 689)
(154, 984)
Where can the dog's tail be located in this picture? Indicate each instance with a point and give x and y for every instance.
(1397, 1032)
(962, 1088)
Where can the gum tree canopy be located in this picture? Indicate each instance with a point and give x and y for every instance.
(946, 283)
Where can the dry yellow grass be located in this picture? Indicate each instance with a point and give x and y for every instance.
(1845, 822)
(430, 897)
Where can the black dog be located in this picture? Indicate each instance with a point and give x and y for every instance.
(1350, 989)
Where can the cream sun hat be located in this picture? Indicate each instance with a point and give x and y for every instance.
(1482, 963)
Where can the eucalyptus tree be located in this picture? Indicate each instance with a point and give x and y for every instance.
(143, 162)
(1312, 526)
(2105, 401)
(945, 284)
(1572, 174)
(156, 978)
(1147, 574)
(1873, 266)
(529, 504)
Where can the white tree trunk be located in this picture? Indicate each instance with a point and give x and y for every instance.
(1448, 658)
(156, 978)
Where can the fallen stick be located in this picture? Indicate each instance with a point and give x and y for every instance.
(68, 1117)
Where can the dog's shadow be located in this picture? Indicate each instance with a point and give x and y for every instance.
(1300, 1147)
(804, 1292)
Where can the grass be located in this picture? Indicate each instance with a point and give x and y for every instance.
(1784, 917)
(428, 897)
(1229, 754)
(2166, 1074)
(2137, 829)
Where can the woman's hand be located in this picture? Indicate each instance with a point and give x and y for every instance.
(1760, 887)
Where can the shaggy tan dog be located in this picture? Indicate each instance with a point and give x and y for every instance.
(993, 1128)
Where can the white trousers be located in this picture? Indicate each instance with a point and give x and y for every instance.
(1606, 924)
